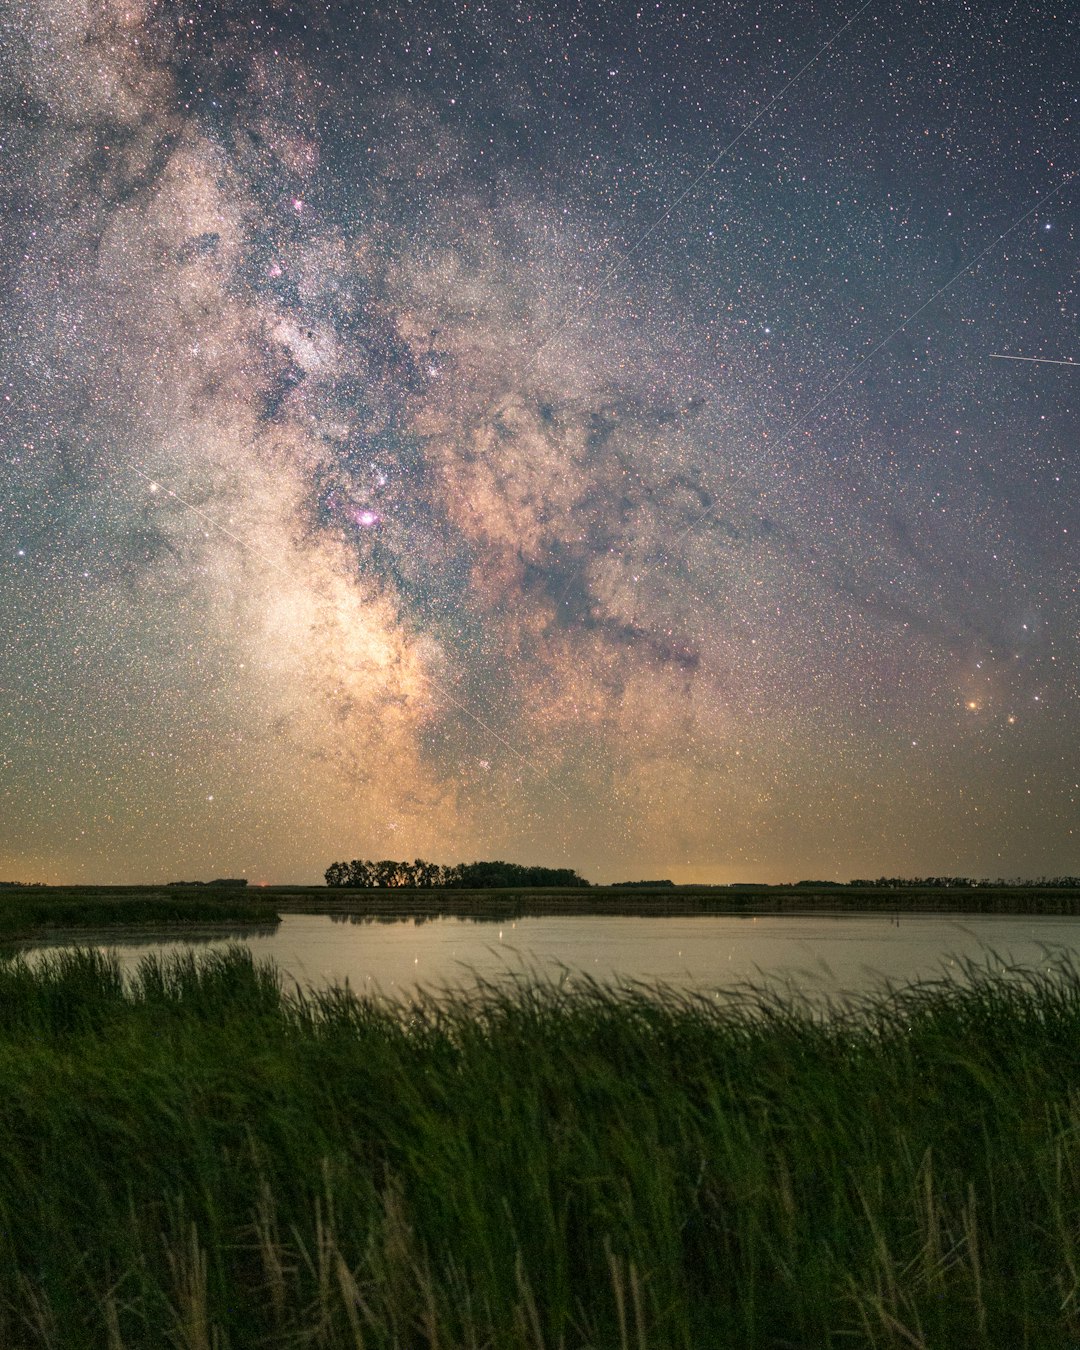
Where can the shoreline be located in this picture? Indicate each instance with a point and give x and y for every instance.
(26, 912)
(680, 902)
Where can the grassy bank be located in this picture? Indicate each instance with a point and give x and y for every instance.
(27, 911)
(516, 903)
(30, 911)
(198, 1161)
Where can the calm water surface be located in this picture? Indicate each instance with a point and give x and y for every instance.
(819, 954)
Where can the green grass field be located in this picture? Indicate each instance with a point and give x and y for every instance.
(199, 1161)
(27, 911)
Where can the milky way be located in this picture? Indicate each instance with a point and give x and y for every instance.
(512, 430)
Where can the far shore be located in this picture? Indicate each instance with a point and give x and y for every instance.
(28, 911)
(675, 900)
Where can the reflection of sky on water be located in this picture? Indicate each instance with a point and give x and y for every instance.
(827, 954)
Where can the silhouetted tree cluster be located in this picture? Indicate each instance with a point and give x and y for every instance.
(640, 885)
(218, 881)
(465, 876)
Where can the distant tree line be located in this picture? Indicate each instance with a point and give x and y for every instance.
(464, 876)
(640, 885)
(931, 883)
(218, 881)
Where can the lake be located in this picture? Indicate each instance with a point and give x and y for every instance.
(821, 954)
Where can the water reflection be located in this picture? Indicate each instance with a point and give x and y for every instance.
(144, 937)
(824, 956)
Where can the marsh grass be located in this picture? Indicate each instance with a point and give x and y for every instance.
(26, 911)
(391, 903)
(198, 1159)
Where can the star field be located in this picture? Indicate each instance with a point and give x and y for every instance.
(567, 433)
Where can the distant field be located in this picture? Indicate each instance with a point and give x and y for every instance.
(25, 911)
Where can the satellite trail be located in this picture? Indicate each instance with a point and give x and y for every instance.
(1037, 360)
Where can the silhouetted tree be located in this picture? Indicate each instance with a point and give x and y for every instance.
(427, 875)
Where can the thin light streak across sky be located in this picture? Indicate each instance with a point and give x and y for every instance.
(1036, 360)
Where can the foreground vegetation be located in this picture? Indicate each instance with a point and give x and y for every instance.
(196, 1160)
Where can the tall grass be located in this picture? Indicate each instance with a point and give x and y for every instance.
(199, 1160)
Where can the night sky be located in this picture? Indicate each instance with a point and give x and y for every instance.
(561, 432)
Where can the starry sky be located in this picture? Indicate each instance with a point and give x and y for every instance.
(567, 432)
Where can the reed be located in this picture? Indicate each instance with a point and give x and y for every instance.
(200, 1158)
